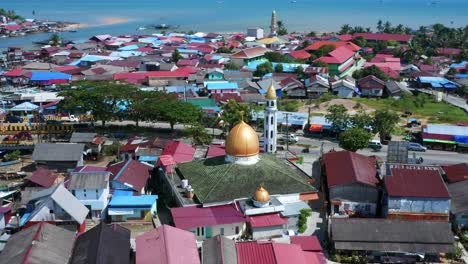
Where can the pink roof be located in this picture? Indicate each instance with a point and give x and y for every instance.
(346, 167)
(318, 44)
(383, 36)
(416, 182)
(288, 253)
(179, 150)
(345, 37)
(215, 151)
(5, 209)
(307, 243)
(391, 73)
(315, 257)
(145, 49)
(267, 220)
(43, 177)
(299, 54)
(185, 62)
(65, 68)
(12, 27)
(167, 244)
(448, 51)
(337, 56)
(191, 217)
(395, 66)
(167, 160)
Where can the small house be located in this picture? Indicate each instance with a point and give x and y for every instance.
(344, 88)
(353, 186)
(125, 207)
(130, 175)
(416, 193)
(102, 244)
(167, 244)
(41, 177)
(214, 74)
(206, 222)
(92, 189)
(393, 89)
(42, 243)
(267, 226)
(222, 87)
(316, 86)
(60, 156)
(459, 203)
(371, 86)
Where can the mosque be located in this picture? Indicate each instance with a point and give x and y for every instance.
(237, 175)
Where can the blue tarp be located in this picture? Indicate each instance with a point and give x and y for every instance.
(461, 76)
(221, 86)
(461, 139)
(26, 106)
(49, 76)
(437, 82)
(128, 48)
(459, 65)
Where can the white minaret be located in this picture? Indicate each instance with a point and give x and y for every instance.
(270, 123)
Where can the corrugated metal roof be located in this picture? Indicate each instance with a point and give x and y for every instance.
(133, 201)
(191, 217)
(446, 130)
(255, 252)
(267, 220)
(89, 180)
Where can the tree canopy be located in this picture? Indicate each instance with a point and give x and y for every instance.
(233, 113)
(385, 122)
(354, 139)
(231, 66)
(372, 70)
(338, 117)
(263, 69)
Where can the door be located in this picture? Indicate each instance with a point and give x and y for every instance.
(208, 231)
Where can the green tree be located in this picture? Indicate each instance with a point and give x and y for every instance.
(263, 69)
(299, 71)
(345, 29)
(55, 40)
(452, 71)
(372, 70)
(281, 28)
(176, 56)
(320, 64)
(233, 113)
(12, 155)
(279, 67)
(312, 34)
(277, 57)
(387, 27)
(361, 120)
(354, 139)
(224, 50)
(338, 117)
(380, 26)
(232, 66)
(360, 41)
(175, 112)
(199, 134)
(385, 122)
(324, 50)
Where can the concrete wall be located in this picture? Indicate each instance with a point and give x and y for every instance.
(372, 92)
(362, 209)
(211, 231)
(267, 232)
(418, 205)
(344, 92)
(355, 193)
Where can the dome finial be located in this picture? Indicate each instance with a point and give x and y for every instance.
(271, 92)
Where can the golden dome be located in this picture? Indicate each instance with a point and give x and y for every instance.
(271, 92)
(261, 195)
(242, 141)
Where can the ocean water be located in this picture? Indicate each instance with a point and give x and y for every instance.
(233, 15)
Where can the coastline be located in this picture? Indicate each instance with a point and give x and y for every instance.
(106, 21)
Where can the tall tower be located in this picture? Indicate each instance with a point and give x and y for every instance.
(273, 26)
(270, 123)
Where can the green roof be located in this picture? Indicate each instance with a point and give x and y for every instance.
(204, 102)
(215, 180)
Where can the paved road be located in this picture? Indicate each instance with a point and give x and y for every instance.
(430, 156)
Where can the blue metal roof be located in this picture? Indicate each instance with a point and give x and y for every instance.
(47, 76)
(437, 82)
(148, 158)
(122, 193)
(129, 47)
(461, 76)
(221, 86)
(133, 201)
(459, 65)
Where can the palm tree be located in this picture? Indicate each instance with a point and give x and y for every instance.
(55, 40)
(380, 25)
(387, 27)
(345, 29)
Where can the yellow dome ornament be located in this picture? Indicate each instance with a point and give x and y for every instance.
(242, 146)
(261, 197)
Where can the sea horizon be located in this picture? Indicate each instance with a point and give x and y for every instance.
(231, 15)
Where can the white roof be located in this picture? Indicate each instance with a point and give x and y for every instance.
(70, 204)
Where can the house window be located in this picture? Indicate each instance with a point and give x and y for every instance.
(97, 194)
(237, 230)
(73, 192)
(271, 120)
(271, 134)
(271, 147)
(266, 134)
(202, 231)
(51, 211)
(221, 231)
(272, 104)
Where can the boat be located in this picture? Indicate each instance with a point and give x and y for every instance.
(72, 31)
(141, 28)
(162, 26)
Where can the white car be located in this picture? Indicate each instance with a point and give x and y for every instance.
(70, 118)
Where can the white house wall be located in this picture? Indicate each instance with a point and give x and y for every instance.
(418, 205)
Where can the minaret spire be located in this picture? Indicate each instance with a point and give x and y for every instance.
(273, 26)
(270, 124)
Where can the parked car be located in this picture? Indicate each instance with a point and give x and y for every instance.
(13, 119)
(413, 122)
(412, 146)
(69, 118)
(375, 145)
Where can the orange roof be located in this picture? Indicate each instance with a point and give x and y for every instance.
(250, 53)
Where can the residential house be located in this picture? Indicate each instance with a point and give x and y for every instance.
(41, 177)
(214, 74)
(317, 86)
(293, 88)
(255, 32)
(393, 89)
(5, 216)
(102, 244)
(219, 249)
(371, 86)
(130, 175)
(310, 246)
(88, 140)
(222, 87)
(246, 56)
(167, 244)
(353, 186)
(344, 88)
(391, 239)
(206, 222)
(298, 54)
(125, 207)
(92, 189)
(415, 193)
(60, 156)
(42, 243)
(459, 203)
(269, 252)
(54, 205)
(342, 61)
(267, 226)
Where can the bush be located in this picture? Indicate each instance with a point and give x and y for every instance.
(112, 150)
(302, 222)
(13, 155)
(456, 254)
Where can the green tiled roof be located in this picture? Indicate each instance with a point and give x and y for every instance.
(214, 180)
(205, 102)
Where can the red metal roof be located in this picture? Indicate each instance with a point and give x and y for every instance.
(346, 167)
(307, 243)
(250, 53)
(128, 147)
(134, 173)
(383, 36)
(12, 27)
(192, 217)
(167, 160)
(315, 257)
(288, 253)
(267, 220)
(299, 54)
(179, 150)
(318, 44)
(43, 177)
(14, 73)
(255, 252)
(416, 181)
(456, 172)
(167, 244)
(115, 168)
(371, 82)
(345, 37)
(215, 151)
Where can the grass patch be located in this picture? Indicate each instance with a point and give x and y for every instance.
(422, 106)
